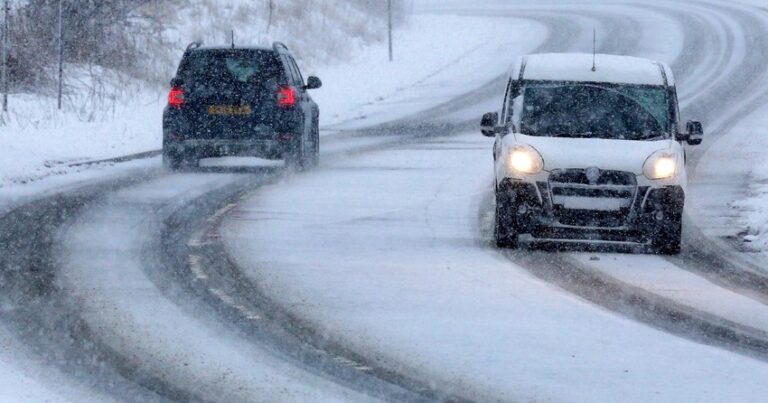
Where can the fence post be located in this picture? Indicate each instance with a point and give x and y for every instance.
(389, 25)
(271, 12)
(61, 52)
(6, 39)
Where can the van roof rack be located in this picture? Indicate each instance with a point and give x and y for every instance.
(279, 46)
(194, 45)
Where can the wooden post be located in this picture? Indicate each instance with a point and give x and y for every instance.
(389, 24)
(61, 51)
(6, 38)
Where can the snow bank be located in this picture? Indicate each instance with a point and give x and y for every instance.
(37, 140)
(752, 209)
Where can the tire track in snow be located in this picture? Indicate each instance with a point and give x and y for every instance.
(39, 312)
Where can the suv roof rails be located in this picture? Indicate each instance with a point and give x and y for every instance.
(278, 46)
(194, 45)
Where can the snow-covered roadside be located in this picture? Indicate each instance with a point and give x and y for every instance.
(739, 183)
(422, 294)
(436, 58)
(38, 141)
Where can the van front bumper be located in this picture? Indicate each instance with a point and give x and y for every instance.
(612, 214)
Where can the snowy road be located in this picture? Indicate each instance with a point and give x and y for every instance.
(372, 277)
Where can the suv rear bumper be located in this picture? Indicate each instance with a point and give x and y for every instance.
(195, 148)
(538, 214)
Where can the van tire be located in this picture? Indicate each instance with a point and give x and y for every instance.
(505, 224)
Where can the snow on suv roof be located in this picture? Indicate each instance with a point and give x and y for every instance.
(610, 69)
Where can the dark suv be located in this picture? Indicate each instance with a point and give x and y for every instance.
(236, 101)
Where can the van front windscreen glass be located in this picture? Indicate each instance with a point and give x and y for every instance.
(622, 112)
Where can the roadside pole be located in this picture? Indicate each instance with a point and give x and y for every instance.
(389, 24)
(271, 6)
(6, 9)
(61, 52)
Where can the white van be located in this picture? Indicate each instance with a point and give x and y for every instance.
(589, 149)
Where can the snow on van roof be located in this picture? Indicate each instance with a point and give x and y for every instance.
(610, 69)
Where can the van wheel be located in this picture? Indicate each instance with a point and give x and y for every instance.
(668, 237)
(505, 231)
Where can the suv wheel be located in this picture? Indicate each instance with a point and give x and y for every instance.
(174, 162)
(294, 157)
(314, 157)
(668, 237)
(505, 231)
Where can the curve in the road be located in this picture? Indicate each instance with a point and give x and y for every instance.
(37, 271)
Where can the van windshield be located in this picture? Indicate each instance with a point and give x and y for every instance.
(621, 112)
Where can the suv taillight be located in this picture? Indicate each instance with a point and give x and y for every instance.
(176, 97)
(286, 97)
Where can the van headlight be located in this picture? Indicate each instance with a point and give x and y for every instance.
(525, 160)
(660, 165)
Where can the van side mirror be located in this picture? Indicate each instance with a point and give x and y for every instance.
(488, 124)
(177, 82)
(695, 132)
(313, 83)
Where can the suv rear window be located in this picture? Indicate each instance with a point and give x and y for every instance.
(238, 69)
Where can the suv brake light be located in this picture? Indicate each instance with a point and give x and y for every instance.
(176, 97)
(286, 97)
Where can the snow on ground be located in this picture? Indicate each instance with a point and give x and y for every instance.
(106, 270)
(666, 280)
(38, 141)
(382, 252)
(20, 382)
(741, 183)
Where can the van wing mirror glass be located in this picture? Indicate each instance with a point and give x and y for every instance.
(488, 124)
(694, 132)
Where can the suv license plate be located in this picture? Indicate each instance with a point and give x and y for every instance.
(229, 110)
